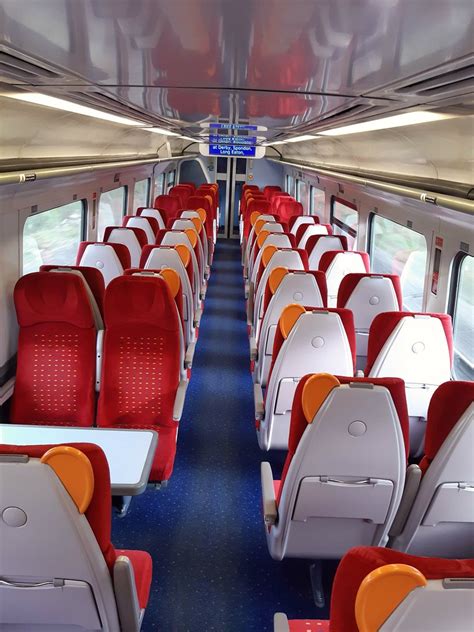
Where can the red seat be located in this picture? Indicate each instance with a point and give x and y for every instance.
(196, 202)
(98, 515)
(168, 205)
(270, 187)
(93, 277)
(141, 363)
(288, 208)
(55, 377)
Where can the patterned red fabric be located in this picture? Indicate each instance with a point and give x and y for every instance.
(249, 187)
(293, 219)
(143, 570)
(328, 258)
(151, 220)
(302, 229)
(276, 196)
(121, 251)
(254, 204)
(350, 281)
(270, 187)
(93, 277)
(181, 193)
(140, 366)
(361, 561)
(168, 205)
(447, 405)
(138, 232)
(208, 189)
(307, 625)
(320, 280)
(55, 377)
(384, 324)
(289, 208)
(313, 240)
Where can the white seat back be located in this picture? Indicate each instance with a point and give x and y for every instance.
(372, 296)
(278, 240)
(300, 221)
(295, 287)
(125, 236)
(104, 258)
(270, 226)
(325, 244)
(155, 213)
(203, 235)
(317, 343)
(312, 229)
(167, 257)
(290, 259)
(342, 264)
(140, 221)
(173, 238)
(345, 481)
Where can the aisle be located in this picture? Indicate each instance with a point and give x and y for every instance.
(212, 570)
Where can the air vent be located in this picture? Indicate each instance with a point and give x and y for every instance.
(456, 80)
(19, 68)
(353, 112)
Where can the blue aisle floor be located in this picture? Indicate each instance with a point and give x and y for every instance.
(212, 570)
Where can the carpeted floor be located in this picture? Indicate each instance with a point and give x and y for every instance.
(212, 570)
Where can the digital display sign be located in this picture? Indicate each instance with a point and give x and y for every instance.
(248, 128)
(232, 151)
(232, 140)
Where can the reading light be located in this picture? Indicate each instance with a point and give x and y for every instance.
(399, 120)
(68, 106)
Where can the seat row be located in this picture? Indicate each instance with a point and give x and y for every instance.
(378, 590)
(346, 479)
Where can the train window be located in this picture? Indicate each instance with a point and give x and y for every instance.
(290, 185)
(141, 193)
(317, 201)
(344, 220)
(52, 236)
(159, 184)
(463, 366)
(111, 209)
(302, 193)
(222, 165)
(170, 179)
(241, 166)
(396, 249)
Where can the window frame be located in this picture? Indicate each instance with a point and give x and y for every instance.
(290, 180)
(82, 230)
(170, 182)
(456, 270)
(298, 183)
(148, 190)
(341, 225)
(125, 203)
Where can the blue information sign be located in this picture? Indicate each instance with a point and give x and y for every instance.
(232, 140)
(232, 151)
(249, 128)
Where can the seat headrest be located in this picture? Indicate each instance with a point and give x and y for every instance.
(122, 252)
(447, 405)
(314, 239)
(350, 282)
(140, 300)
(93, 277)
(383, 325)
(329, 256)
(139, 233)
(47, 297)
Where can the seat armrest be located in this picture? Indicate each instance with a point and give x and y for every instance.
(412, 483)
(179, 400)
(98, 358)
(253, 348)
(258, 399)
(280, 622)
(188, 358)
(207, 271)
(250, 306)
(126, 595)
(270, 511)
(197, 317)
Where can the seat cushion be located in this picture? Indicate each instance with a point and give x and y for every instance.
(306, 625)
(142, 569)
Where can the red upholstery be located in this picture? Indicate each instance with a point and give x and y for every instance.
(320, 280)
(350, 281)
(93, 277)
(276, 196)
(328, 258)
(55, 377)
(168, 205)
(182, 193)
(384, 324)
(191, 185)
(361, 561)
(121, 251)
(151, 220)
(138, 232)
(306, 625)
(196, 202)
(99, 513)
(313, 240)
(270, 187)
(249, 187)
(289, 208)
(293, 219)
(447, 405)
(302, 229)
(140, 367)
(142, 569)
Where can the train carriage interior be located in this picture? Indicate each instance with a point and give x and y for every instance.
(236, 315)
